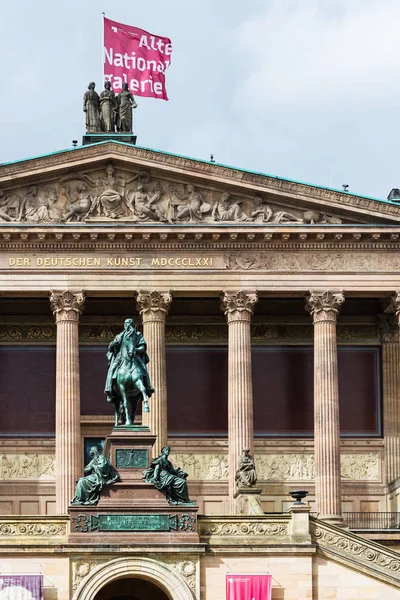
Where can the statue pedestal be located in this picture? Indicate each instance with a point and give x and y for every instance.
(132, 510)
(95, 138)
(248, 501)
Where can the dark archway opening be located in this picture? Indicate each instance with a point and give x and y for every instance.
(132, 588)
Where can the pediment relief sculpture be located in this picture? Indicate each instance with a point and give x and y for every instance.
(137, 197)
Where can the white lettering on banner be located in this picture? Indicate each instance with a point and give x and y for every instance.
(137, 58)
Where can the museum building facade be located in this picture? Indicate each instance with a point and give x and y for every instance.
(271, 314)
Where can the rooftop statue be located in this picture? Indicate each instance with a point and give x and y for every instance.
(125, 102)
(164, 477)
(98, 473)
(246, 475)
(91, 106)
(108, 109)
(127, 377)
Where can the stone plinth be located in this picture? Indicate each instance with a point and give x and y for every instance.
(95, 138)
(248, 501)
(132, 510)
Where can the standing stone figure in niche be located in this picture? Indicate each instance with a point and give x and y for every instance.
(91, 106)
(127, 377)
(163, 476)
(108, 108)
(98, 473)
(246, 475)
(126, 102)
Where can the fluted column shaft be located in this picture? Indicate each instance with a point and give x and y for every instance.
(66, 308)
(153, 307)
(238, 309)
(324, 308)
(389, 329)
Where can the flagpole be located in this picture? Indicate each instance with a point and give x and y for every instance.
(103, 14)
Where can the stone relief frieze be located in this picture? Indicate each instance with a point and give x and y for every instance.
(31, 529)
(347, 200)
(112, 195)
(280, 467)
(27, 466)
(309, 261)
(213, 528)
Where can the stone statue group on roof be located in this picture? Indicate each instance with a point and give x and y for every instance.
(108, 113)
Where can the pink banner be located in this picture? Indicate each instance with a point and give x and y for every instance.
(136, 57)
(248, 587)
(21, 587)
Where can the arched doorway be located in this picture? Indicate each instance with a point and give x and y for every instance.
(132, 588)
(167, 583)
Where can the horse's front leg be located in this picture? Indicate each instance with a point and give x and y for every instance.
(127, 403)
(116, 413)
(145, 398)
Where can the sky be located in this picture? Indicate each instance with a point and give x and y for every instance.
(303, 89)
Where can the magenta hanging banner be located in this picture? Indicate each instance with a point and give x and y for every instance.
(248, 587)
(136, 57)
(21, 587)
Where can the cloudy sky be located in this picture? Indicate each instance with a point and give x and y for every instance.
(303, 89)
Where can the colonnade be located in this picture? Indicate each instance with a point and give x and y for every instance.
(238, 308)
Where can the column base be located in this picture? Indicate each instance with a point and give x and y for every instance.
(335, 520)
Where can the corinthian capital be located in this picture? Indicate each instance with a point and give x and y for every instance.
(324, 306)
(395, 305)
(239, 306)
(67, 306)
(388, 328)
(153, 306)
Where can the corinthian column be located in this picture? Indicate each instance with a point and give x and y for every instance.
(238, 308)
(66, 308)
(389, 330)
(324, 308)
(153, 308)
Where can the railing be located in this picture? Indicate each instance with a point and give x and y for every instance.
(372, 520)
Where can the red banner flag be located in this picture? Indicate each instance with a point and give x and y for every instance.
(136, 57)
(248, 587)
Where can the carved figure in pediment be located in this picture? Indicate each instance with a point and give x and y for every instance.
(54, 209)
(91, 107)
(313, 217)
(108, 108)
(188, 205)
(263, 213)
(6, 204)
(79, 208)
(107, 199)
(224, 210)
(33, 208)
(331, 220)
(144, 204)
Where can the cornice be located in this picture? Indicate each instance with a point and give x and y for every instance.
(234, 237)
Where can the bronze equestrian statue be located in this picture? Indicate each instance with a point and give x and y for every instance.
(127, 377)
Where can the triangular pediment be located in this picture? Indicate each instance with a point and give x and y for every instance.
(116, 182)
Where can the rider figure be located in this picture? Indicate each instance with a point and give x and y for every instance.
(114, 356)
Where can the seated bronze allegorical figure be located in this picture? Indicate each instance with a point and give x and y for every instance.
(98, 473)
(164, 477)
